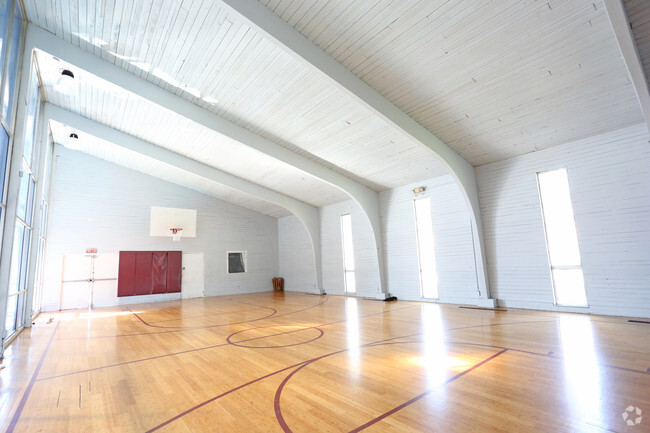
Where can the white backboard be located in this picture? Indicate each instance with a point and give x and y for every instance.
(164, 218)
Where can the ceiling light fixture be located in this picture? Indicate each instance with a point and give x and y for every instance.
(419, 190)
(72, 142)
(65, 82)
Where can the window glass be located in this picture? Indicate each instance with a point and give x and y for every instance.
(4, 28)
(12, 309)
(29, 212)
(558, 218)
(24, 260)
(16, 255)
(45, 179)
(23, 194)
(236, 262)
(426, 248)
(38, 277)
(10, 82)
(4, 152)
(36, 145)
(569, 286)
(348, 253)
(561, 238)
(30, 121)
(43, 219)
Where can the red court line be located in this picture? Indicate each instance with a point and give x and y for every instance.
(190, 329)
(300, 364)
(207, 347)
(171, 354)
(424, 394)
(198, 406)
(304, 363)
(547, 355)
(28, 390)
(498, 324)
(205, 326)
(237, 343)
(237, 323)
(220, 313)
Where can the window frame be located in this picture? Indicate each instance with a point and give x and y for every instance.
(244, 262)
(552, 267)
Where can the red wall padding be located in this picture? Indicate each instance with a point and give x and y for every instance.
(174, 271)
(143, 271)
(126, 274)
(149, 272)
(159, 271)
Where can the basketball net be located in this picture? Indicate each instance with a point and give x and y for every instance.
(175, 233)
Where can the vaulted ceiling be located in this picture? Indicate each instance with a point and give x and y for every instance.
(492, 80)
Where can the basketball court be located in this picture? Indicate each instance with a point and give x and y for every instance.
(325, 216)
(292, 362)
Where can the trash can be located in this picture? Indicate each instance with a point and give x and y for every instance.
(278, 284)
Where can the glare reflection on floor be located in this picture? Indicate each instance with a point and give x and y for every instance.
(581, 369)
(352, 336)
(435, 357)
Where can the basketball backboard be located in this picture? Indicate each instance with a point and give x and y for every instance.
(164, 218)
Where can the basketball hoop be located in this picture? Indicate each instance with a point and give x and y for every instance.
(175, 233)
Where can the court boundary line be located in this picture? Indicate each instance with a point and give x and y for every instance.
(426, 393)
(213, 346)
(303, 364)
(30, 385)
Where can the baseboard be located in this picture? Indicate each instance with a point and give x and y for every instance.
(486, 303)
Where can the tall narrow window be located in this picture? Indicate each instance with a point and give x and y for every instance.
(561, 238)
(348, 253)
(426, 249)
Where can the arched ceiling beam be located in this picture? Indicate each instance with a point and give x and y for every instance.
(38, 38)
(306, 213)
(292, 41)
(627, 45)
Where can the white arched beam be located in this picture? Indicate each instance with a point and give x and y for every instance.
(625, 38)
(307, 214)
(292, 41)
(38, 38)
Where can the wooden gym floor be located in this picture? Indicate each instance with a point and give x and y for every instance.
(303, 363)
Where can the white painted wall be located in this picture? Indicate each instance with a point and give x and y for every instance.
(296, 255)
(98, 204)
(609, 179)
(454, 250)
(365, 254)
(452, 233)
(452, 230)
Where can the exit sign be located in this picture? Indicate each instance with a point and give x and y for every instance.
(91, 250)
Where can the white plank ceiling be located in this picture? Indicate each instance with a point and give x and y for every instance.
(107, 104)
(491, 79)
(111, 152)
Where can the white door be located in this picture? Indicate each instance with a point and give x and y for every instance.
(192, 280)
(104, 286)
(75, 283)
(89, 280)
